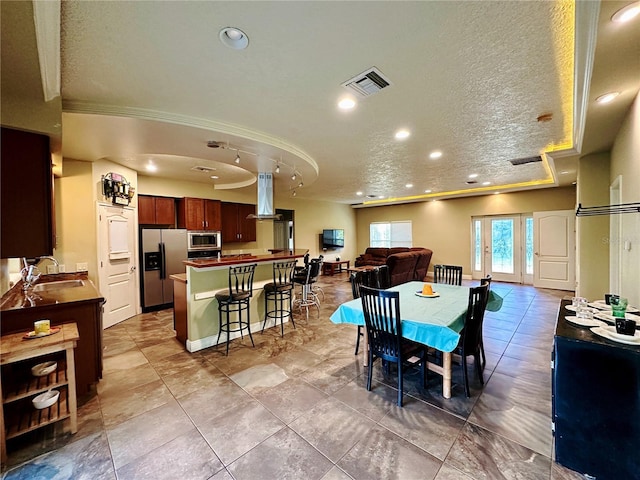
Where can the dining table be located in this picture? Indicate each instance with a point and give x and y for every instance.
(435, 320)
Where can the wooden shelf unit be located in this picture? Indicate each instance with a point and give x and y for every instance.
(18, 386)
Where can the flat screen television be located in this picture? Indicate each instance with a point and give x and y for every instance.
(333, 238)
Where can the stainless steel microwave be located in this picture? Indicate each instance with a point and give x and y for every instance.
(204, 240)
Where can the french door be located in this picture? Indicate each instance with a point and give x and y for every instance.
(503, 248)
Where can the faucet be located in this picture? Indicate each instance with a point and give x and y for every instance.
(30, 274)
(48, 257)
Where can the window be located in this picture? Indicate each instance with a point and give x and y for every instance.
(390, 234)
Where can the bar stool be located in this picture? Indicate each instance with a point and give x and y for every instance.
(236, 299)
(306, 279)
(279, 291)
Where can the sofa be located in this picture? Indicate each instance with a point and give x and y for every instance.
(405, 264)
(376, 256)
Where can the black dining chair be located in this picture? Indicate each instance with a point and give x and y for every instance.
(315, 288)
(381, 276)
(384, 328)
(449, 274)
(358, 279)
(485, 281)
(236, 299)
(471, 335)
(280, 292)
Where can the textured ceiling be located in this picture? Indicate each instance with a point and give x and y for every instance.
(147, 80)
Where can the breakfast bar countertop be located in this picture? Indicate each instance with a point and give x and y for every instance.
(228, 260)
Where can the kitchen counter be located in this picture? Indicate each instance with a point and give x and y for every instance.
(61, 304)
(16, 298)
(195, 307)
(230, 260)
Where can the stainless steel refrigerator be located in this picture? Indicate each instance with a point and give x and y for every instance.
(163, 251)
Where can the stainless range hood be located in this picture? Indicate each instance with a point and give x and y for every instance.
(265, 198)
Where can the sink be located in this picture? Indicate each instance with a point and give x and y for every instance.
(45, 287)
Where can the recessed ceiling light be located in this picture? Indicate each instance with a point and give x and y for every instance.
(486, 183)
(435, 154)
(427, 191)
(473, 175)
(402, 134)
(346, 104)
(233, 37)
(380, 196)
(409, 185)
(607, 97)
(151, 167)
(496, 193)
(359, 194)
(564, 172)
(215, 177)
(627, 13)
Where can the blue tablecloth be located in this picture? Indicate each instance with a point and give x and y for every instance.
(433, 321)
(436, 322)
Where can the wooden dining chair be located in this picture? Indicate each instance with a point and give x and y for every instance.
(384, 327)
(449, 274)
(470, 342)
(358, 279)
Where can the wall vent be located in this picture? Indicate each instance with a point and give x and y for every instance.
(524, 161)
(203, 169)
(367, 83)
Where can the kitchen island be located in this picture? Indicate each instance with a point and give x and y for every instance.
(195, 306)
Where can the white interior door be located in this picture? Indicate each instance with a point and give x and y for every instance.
(117, 263)
(554, 249)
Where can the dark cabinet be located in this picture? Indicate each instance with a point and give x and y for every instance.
(26, 195)
(235, 225)
(199, 214)
(596, 403)
(156, 210)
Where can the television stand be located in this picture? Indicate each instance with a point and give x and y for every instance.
(329, 268)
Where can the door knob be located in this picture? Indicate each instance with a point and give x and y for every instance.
(132, 269)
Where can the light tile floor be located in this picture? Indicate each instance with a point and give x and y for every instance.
(297, 408)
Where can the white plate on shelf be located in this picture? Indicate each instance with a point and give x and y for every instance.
(607, 317)
(420, 294)
(609, 332)
(584, 322)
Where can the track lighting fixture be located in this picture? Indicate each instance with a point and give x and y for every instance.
(293, 177)
(278, 168)
(294, 193)
(237, 160)
(300, 184)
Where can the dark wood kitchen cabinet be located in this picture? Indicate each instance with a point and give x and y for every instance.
(235, 225)
(199, 214)
(26, 215)
(156, 210)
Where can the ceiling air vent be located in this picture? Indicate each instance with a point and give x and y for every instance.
(523, 161)
(471, 182)
(203, 169)
(367, 83)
